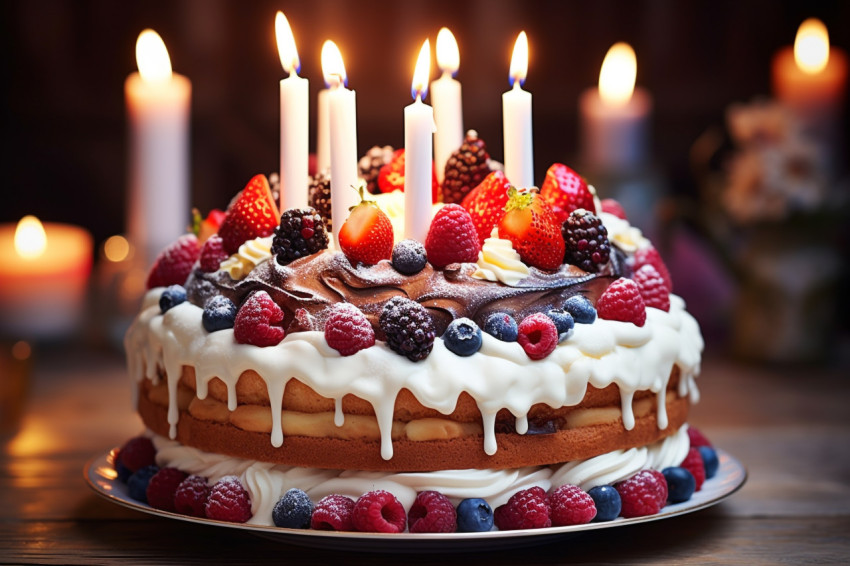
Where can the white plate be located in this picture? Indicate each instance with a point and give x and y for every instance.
(731, 475)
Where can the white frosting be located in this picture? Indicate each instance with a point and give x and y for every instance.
(250, 255)
(624, 235)
(499, 261)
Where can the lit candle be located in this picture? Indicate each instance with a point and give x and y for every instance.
(294, 121)
(418, 168)
(516, 120)
(323, 134)
(44, 270)
(615, 118)
(446, 99)
(158, 103)
(342, 118)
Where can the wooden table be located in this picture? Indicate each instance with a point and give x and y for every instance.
(789, 427)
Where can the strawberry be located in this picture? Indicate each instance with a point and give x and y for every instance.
(530, 225)
(174, 264)
(486, 203)
(202, 227)
(565, 190)
(451, 237)
(253, 214)
(391, 176)
(367, 234)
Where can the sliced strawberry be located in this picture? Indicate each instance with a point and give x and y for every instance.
(391, 176)
(486, 203)
(367, 234)
(565, 190)
(530, 225)
(253, 214)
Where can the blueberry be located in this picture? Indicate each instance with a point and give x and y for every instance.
(463, 337)
(219, 313)
(409, 257)
(123, 471)
(171, 297)
(502, 326)
(680, 484)
(474, 516)
(581, 309)
(563, 322)
(607, 501)
(138, 482)
(293, 510)
(709, 460)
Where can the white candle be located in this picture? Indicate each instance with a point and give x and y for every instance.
(294, 121)
(418, 168)
(615, 118)
(342, 118)
(516, 120)
(446, 99)
(158, 103)
(323, 134)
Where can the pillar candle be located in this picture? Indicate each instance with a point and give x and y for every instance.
(516, 120)
(418, 132)
(446, 99)
(323, 135)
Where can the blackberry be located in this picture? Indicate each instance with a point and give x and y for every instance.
(301, 233)
(371, 163)
(408, 327)
(466, 168)
(586, 241)
(320, 197)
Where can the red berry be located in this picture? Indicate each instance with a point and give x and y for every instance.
(566, 191)
(378, 512)
(228, 501)
(571, 505)
(486, 203)
(694, 464)
(451, 237)
(526, 509)
(611, 206)
(538, 335)
(174, 264)
(253, 214)
(645, 493)
(697, 438)
(622, 301)
(651, 255)
(255, 322)
(534, 232)
(137, 453)
(163, 486)
(432, 512)
(191, 496)
(653, 289)
(347, 330)
(366, 235)
(212, 254)
(333, 513)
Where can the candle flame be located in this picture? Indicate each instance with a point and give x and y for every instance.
(811, 46)
(419, 86)
(448, 56)
(286, 44)
(333, 67)
(30, 238)
(152, 57)
(617, 77)
(519, 59)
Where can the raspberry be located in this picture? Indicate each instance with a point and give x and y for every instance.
(408, 327)
(570, 505)
(645, 493)
(371, 163)
(191, 496)
(526, 509)
(652, 287)
(228, 501)
(538, 336)
(378, 512)
(466, 168)
(301, 233)
(347, 330)
(651, 255)
(333, 513)
(432, 512)
(409, 257)
(320, 197)
(174, 264)
(254, 323)
(622, 301)
(586, 241)
(293, 510)
(162, 487)
(452, 237)
(694, 464)
(219, 313)
(462, 337)
(171, 297)
(611, 206)
(137, 484)
(697, 438)
(137, 453)
(212, 254)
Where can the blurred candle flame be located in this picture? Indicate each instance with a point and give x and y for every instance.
(419, 86)
(116, 249)
(30, 238)
(286, 44)
(617, 76)
(519, 60)
(448, 56)
(811, 46)
(152, 57)
(333, 67)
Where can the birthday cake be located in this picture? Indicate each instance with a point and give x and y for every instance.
(530, 344)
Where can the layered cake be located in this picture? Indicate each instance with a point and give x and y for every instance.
(530, 344)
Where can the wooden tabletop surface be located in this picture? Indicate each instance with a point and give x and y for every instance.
(790, 428)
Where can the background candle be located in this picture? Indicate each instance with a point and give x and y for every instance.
(446, 99)
(294, 121)
(323, 134)
(158, 104)
(516, 120)
(418, 132)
